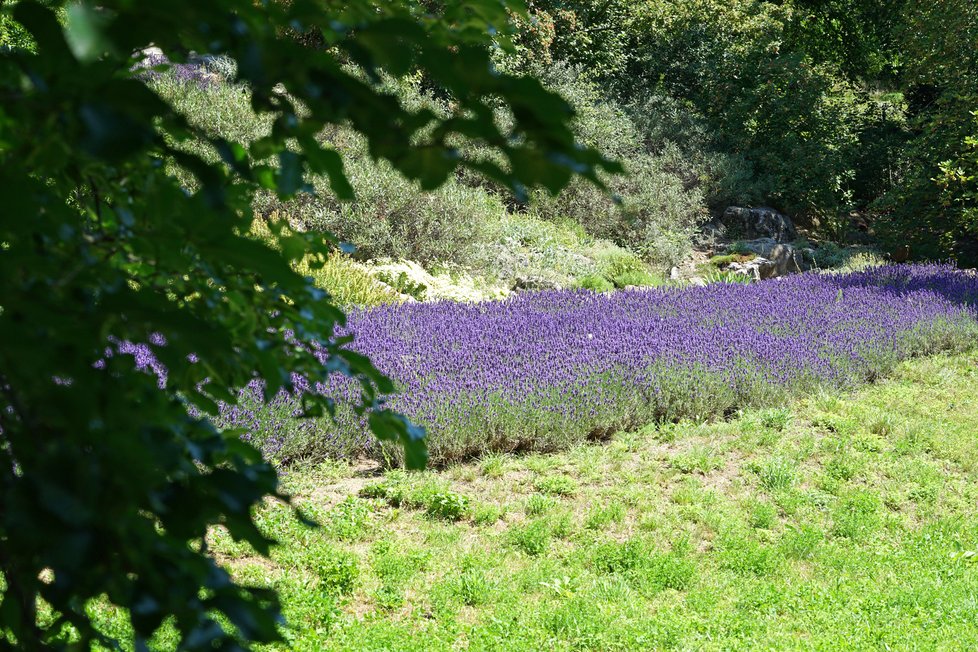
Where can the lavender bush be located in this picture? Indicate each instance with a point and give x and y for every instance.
(546, 370)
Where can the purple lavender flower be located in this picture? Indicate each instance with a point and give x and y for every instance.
(544, 370)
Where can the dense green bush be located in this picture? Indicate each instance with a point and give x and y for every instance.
(391, 217)
(816, 107)
(797, 121)
(932, 209)
(394, 218)
(675, 129)
(660, 199)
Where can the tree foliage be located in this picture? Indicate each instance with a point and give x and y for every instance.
(931, 209)
(837, 105)
(113, 270)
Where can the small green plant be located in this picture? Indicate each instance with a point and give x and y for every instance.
(761, 515)
(561, 525)
(615, 557)
(556, 485)
(492, 465)
(348, 283)
(724, 276)
(447, 505)
(723, 260)
(842, 466)
(538, 504)
(471, 587)
(487, 514)
(776, 473)
(747, 557)
(402, 284)
(856, 515)
(699, 459)
(595, 283)
(392, 490)
(533, 538)
(337, 571)
(561, 587)
(388, 597)
(350, 519)
(395, 562)
(668, 571)
(739, 249)
(601, 515)
(882, 425)
(775, 418)
(800, 541)
(637, 278)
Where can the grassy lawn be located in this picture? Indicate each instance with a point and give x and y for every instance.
(835, 522)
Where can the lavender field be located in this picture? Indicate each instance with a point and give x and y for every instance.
(546, 370)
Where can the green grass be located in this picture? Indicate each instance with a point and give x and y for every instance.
(838, 522)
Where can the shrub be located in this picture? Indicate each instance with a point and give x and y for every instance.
(675, 128)
(625, 269)
(394, 218)
(391, 216)
(807, 139)
(657, 216)
(595, 283)
(660, 202)
(347, 282)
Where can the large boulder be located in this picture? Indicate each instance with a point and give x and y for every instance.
(773, 259)
(758, 223)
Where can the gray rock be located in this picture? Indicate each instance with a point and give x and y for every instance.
(532, 282)
(759, 223)
(674, 274)
(151, 56)
(751, 269)
(774, 259)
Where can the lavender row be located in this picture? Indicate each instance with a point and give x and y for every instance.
(546, 370)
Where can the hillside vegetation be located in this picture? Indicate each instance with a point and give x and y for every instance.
(485, 290)
(843, 115)
(840, 521)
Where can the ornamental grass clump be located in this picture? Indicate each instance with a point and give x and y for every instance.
(547, 370)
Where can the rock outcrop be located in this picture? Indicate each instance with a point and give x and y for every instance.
(753, 223)
(773, 259)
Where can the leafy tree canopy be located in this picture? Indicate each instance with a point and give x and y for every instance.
(108, 484)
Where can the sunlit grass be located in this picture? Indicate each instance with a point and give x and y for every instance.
(841, 521)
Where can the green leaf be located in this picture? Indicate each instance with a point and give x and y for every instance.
(85, 33)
